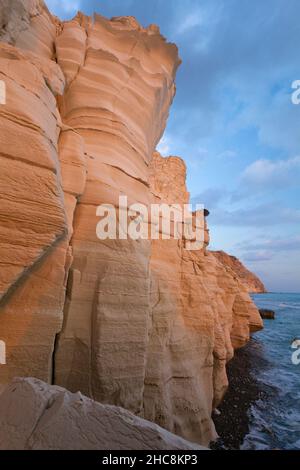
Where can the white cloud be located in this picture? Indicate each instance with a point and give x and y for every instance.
(189, 22)
(266, 249)
(288, 243)
(269, 172)
(263, 215)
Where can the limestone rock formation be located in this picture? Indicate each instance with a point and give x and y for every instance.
(33, 222)
(267, 314)
(252, 283)
(143, 324)
(36, 416)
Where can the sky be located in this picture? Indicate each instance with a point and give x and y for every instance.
(233, 120)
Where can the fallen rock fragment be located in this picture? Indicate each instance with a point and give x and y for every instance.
(267, 314)
(38, 416)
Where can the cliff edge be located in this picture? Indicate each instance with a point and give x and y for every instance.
(252, 283)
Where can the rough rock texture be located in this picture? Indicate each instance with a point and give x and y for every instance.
(146, 325)
(200, 313)
(252, 283)
(36, 416)
(33, 222)
(119, 89)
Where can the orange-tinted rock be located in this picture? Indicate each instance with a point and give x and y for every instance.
(33, 221)
(252, 283)
(199, 314)
(147, 325)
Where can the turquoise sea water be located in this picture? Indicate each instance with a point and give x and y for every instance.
(275, 421)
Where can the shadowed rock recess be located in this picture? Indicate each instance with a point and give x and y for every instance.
(145, 325)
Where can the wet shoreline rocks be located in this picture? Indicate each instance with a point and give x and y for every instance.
(267, 314)
(232, 419)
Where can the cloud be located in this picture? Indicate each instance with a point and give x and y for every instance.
(257, 256)
(264, 215)
(65, 6)
(265, 250)
(211, 197)
(284, 244)
(271, 173)
(277, 118)
(190, 21)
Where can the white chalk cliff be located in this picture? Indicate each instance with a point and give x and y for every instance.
(145, 325)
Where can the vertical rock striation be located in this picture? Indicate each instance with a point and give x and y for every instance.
(146, 325)
(33, 221)
(199, 314)
(120, 83)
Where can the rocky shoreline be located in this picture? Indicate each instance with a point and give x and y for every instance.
(232, 419)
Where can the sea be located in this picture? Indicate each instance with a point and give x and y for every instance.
(275, 419)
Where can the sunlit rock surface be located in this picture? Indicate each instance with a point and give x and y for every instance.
(146, 325)
(252, 283)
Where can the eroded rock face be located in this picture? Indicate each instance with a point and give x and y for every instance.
(252, 283)
(199, 314)
(146, 325)
(120, 83)
(33, 223)
(36, 416)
